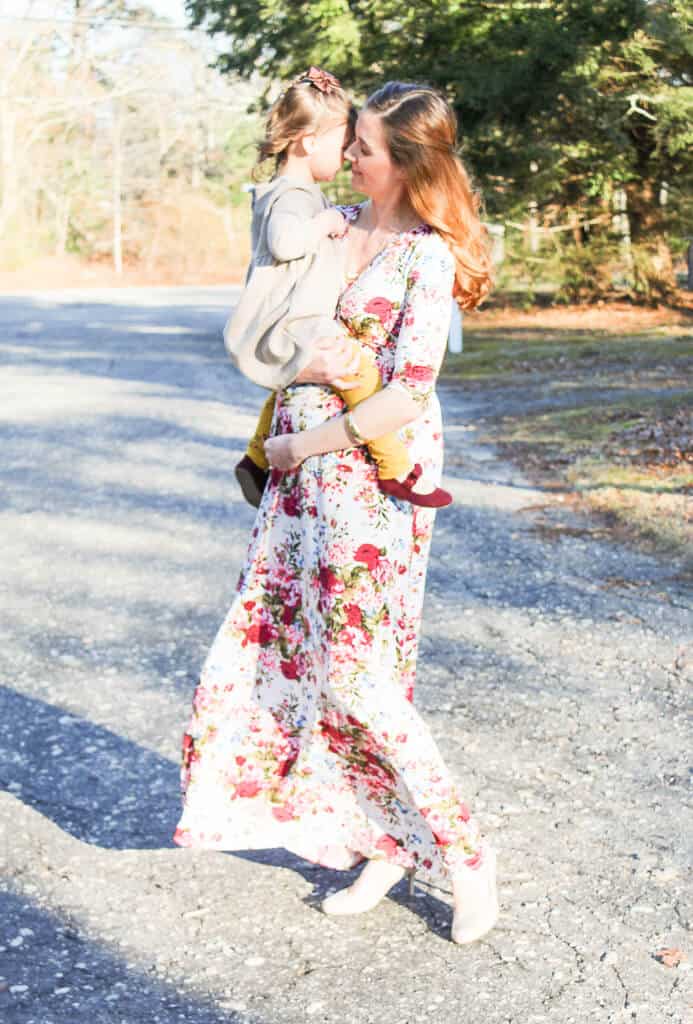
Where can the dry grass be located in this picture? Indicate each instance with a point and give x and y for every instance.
(622, 446)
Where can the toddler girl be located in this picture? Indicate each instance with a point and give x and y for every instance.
(296, 275)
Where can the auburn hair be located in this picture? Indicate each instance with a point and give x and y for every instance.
(421, 132)
(302, 107)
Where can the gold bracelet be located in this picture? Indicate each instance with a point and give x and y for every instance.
(354, 432)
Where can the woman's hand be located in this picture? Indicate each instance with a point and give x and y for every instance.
(284, 452)
(334, 359)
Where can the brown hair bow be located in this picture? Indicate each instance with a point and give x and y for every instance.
(322, 80)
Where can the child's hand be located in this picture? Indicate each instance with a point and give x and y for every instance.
(283, 451)
(333, 223)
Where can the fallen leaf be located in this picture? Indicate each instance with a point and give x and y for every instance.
(670, 957)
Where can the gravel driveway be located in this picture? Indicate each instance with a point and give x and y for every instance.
(553, 672)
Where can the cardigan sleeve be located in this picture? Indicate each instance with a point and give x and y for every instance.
(292, 231)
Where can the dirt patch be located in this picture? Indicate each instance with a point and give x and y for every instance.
(600, 416)
(73, 273)
(616, 318)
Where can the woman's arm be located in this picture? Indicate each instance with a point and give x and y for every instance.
(420, 350)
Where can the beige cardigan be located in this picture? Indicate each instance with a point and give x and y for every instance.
(293, 278)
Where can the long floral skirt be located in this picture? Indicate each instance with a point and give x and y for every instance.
(303, 734)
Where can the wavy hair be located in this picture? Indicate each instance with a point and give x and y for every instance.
(421, 132)
(309, 100)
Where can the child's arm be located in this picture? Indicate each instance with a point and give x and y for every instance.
(294, 230)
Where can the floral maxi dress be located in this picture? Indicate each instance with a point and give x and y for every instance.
(303, 734)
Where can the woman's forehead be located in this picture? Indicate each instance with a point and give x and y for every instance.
(369, 128)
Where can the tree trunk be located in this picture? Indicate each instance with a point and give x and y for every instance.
(8, 163)
(62, 223)
(117, 190)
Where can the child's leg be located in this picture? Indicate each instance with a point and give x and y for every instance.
(390, 454)
(256, 447)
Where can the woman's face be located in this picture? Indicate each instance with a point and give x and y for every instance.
(372, 171)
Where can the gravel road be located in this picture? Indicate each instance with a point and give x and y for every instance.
(553, 672)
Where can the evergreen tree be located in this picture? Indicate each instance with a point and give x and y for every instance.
(557, 101)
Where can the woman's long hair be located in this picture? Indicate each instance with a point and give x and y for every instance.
(421, 131)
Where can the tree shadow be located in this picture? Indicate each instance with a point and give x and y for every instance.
(58, 972)
(109, 792)
(175, 346)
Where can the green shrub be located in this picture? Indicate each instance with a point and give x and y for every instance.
(589, 272)
(654, 279)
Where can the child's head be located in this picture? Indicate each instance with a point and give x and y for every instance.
(313, 118)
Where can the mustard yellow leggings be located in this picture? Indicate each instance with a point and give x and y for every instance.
(390, 454)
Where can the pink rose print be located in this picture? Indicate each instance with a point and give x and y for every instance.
(261, 633)
(441, 838)
(292, 504)
(249, 788)
(380, 307)
(283, 813)
(284, 767)
(388, 844)
(289, 669)
(189, 754)
(354, 614)
(424, 374)
(464, 814)
(369, 555)
(328, 580)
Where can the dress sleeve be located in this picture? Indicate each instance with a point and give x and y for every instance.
(291, 230)
(425, 321)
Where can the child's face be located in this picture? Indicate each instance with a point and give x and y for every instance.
(327, 154)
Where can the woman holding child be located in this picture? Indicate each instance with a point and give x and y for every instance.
(303, 733)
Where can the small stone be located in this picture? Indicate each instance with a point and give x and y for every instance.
(14, 989)
(254, 961)
(666, 875)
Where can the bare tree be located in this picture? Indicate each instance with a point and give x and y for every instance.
(119, 141)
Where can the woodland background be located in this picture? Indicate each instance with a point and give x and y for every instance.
(126, 143)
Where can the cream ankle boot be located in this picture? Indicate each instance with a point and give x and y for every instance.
(476, 901)
(376, 879)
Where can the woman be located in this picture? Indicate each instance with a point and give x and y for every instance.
(303, 733)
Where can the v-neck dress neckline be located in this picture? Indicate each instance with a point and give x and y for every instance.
(351, 213)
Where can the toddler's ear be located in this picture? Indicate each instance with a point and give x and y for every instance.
(308, 142)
